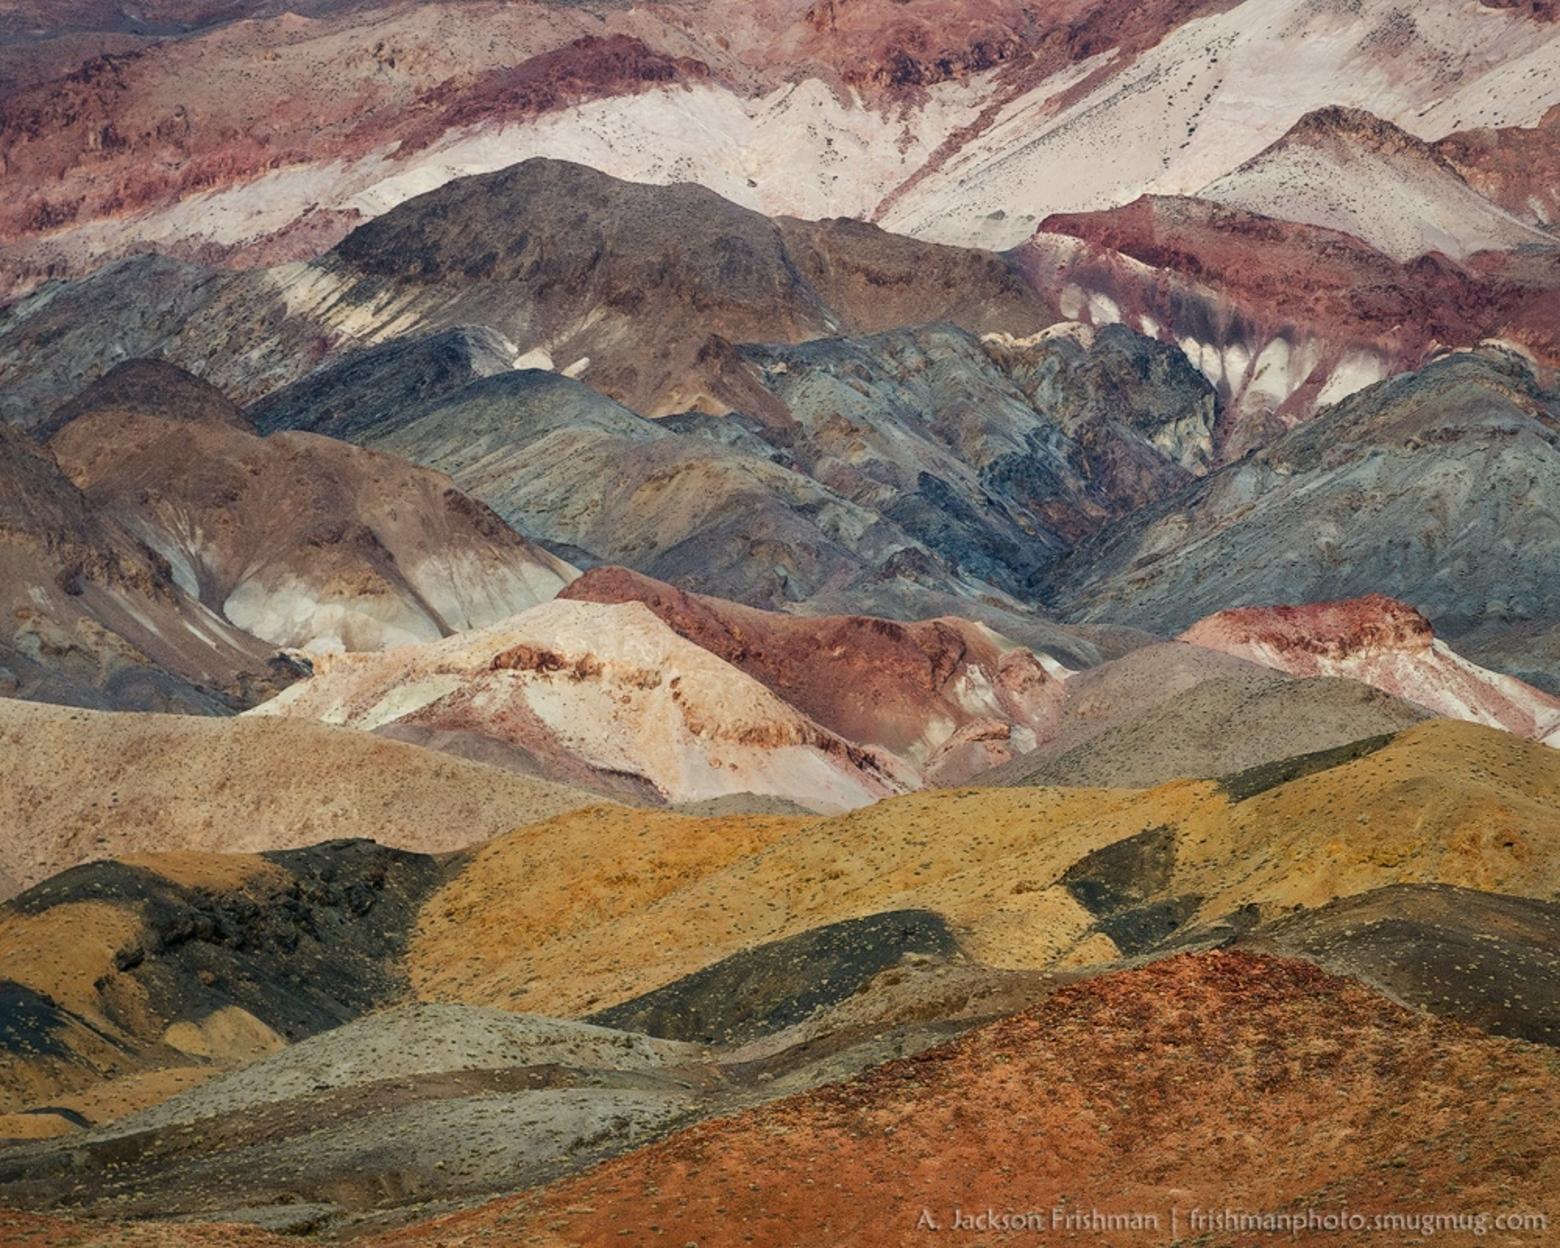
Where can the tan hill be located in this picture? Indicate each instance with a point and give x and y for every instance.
(90, 616)
(1172, 710)
(456, 1100)
(1219, 727)
(596, 692)
(139, 968)
(300, 540)
(87, 785)
(125, 981)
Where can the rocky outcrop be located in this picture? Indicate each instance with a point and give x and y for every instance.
(995, 453)
(597, 482)
(1283, 318)
(1382, 642)
(356, 394)
(1373, 496)
(887, 469)
(1515, 167)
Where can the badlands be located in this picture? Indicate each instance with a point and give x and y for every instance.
(811, 623)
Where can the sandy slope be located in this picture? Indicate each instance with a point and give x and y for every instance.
(1221, 726)
(86, 785)
(1444, 801)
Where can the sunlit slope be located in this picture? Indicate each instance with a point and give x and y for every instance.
(1027, 878)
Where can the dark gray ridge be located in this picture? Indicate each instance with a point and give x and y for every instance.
(761, 991)
(1486, 959)
(1124, 874)
(1247, 784)
(321, 948)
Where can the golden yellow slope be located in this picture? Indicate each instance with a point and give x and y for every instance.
(561, 933)
(1447, 803)
(583, 871)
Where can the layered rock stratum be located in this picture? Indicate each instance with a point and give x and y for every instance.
(303, 541)
(1383, 643)
(598, 692)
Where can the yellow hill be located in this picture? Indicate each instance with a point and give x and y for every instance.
(597, 907)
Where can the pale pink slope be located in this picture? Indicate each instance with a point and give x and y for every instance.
(605, 691)
(1382, 642)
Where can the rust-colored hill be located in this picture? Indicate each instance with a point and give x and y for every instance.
(1516, 167)
(607, 696)
(1205, 1082)
(1193, 1088)
(1385, 643)
(1284, 317)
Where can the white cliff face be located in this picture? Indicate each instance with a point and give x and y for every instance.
(1216, 92)
(1266, 370)
(975, 162)
(1352, 172)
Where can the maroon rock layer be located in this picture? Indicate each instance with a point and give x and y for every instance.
(1516, 167)
(1224, 277)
